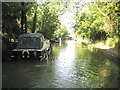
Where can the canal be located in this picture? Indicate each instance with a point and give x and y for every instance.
(71, 65)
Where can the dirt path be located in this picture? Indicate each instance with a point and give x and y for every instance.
(112, 52)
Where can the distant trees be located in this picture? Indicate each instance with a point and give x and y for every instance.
(61, 32)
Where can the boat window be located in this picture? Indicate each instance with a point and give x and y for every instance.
(28, 42)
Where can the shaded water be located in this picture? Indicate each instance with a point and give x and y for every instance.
(71, 65)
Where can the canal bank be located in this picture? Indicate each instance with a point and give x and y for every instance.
(106, 50)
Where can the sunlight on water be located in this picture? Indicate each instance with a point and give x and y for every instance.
(65, 64)
(71, 65)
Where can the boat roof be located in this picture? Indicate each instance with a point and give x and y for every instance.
(38, 35)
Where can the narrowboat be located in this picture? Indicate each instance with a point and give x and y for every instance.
(31, 46)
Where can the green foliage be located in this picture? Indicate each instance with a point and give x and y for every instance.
(61, 32)
(15, 17)
(5, 41)
(49, 21)
(110, 42)
(31, 17)
(10, 17)
(99, 22)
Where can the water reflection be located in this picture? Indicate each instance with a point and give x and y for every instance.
(64, 66)
(93, 75)
(71, 65)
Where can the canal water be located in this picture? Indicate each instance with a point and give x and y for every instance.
(70, 65)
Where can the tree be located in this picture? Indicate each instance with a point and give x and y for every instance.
(61, 32)
(23, 17)
(10, 17)
(34, 20)
(99, 22)
(49, 20)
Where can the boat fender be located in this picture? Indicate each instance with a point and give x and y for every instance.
(25, 51)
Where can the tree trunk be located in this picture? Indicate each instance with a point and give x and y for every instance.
(22, 15)
(34, 20)
(25, 23)
(23, 18)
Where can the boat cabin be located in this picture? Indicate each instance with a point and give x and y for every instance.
(31, 45)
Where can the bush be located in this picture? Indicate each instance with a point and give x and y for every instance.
(110, 42)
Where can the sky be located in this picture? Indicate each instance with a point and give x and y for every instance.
(67, 18)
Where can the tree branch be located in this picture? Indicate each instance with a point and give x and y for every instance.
(100, 10)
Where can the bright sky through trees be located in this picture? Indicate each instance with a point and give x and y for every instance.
(67, 18)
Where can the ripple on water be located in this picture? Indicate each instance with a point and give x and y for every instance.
(71, 66)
